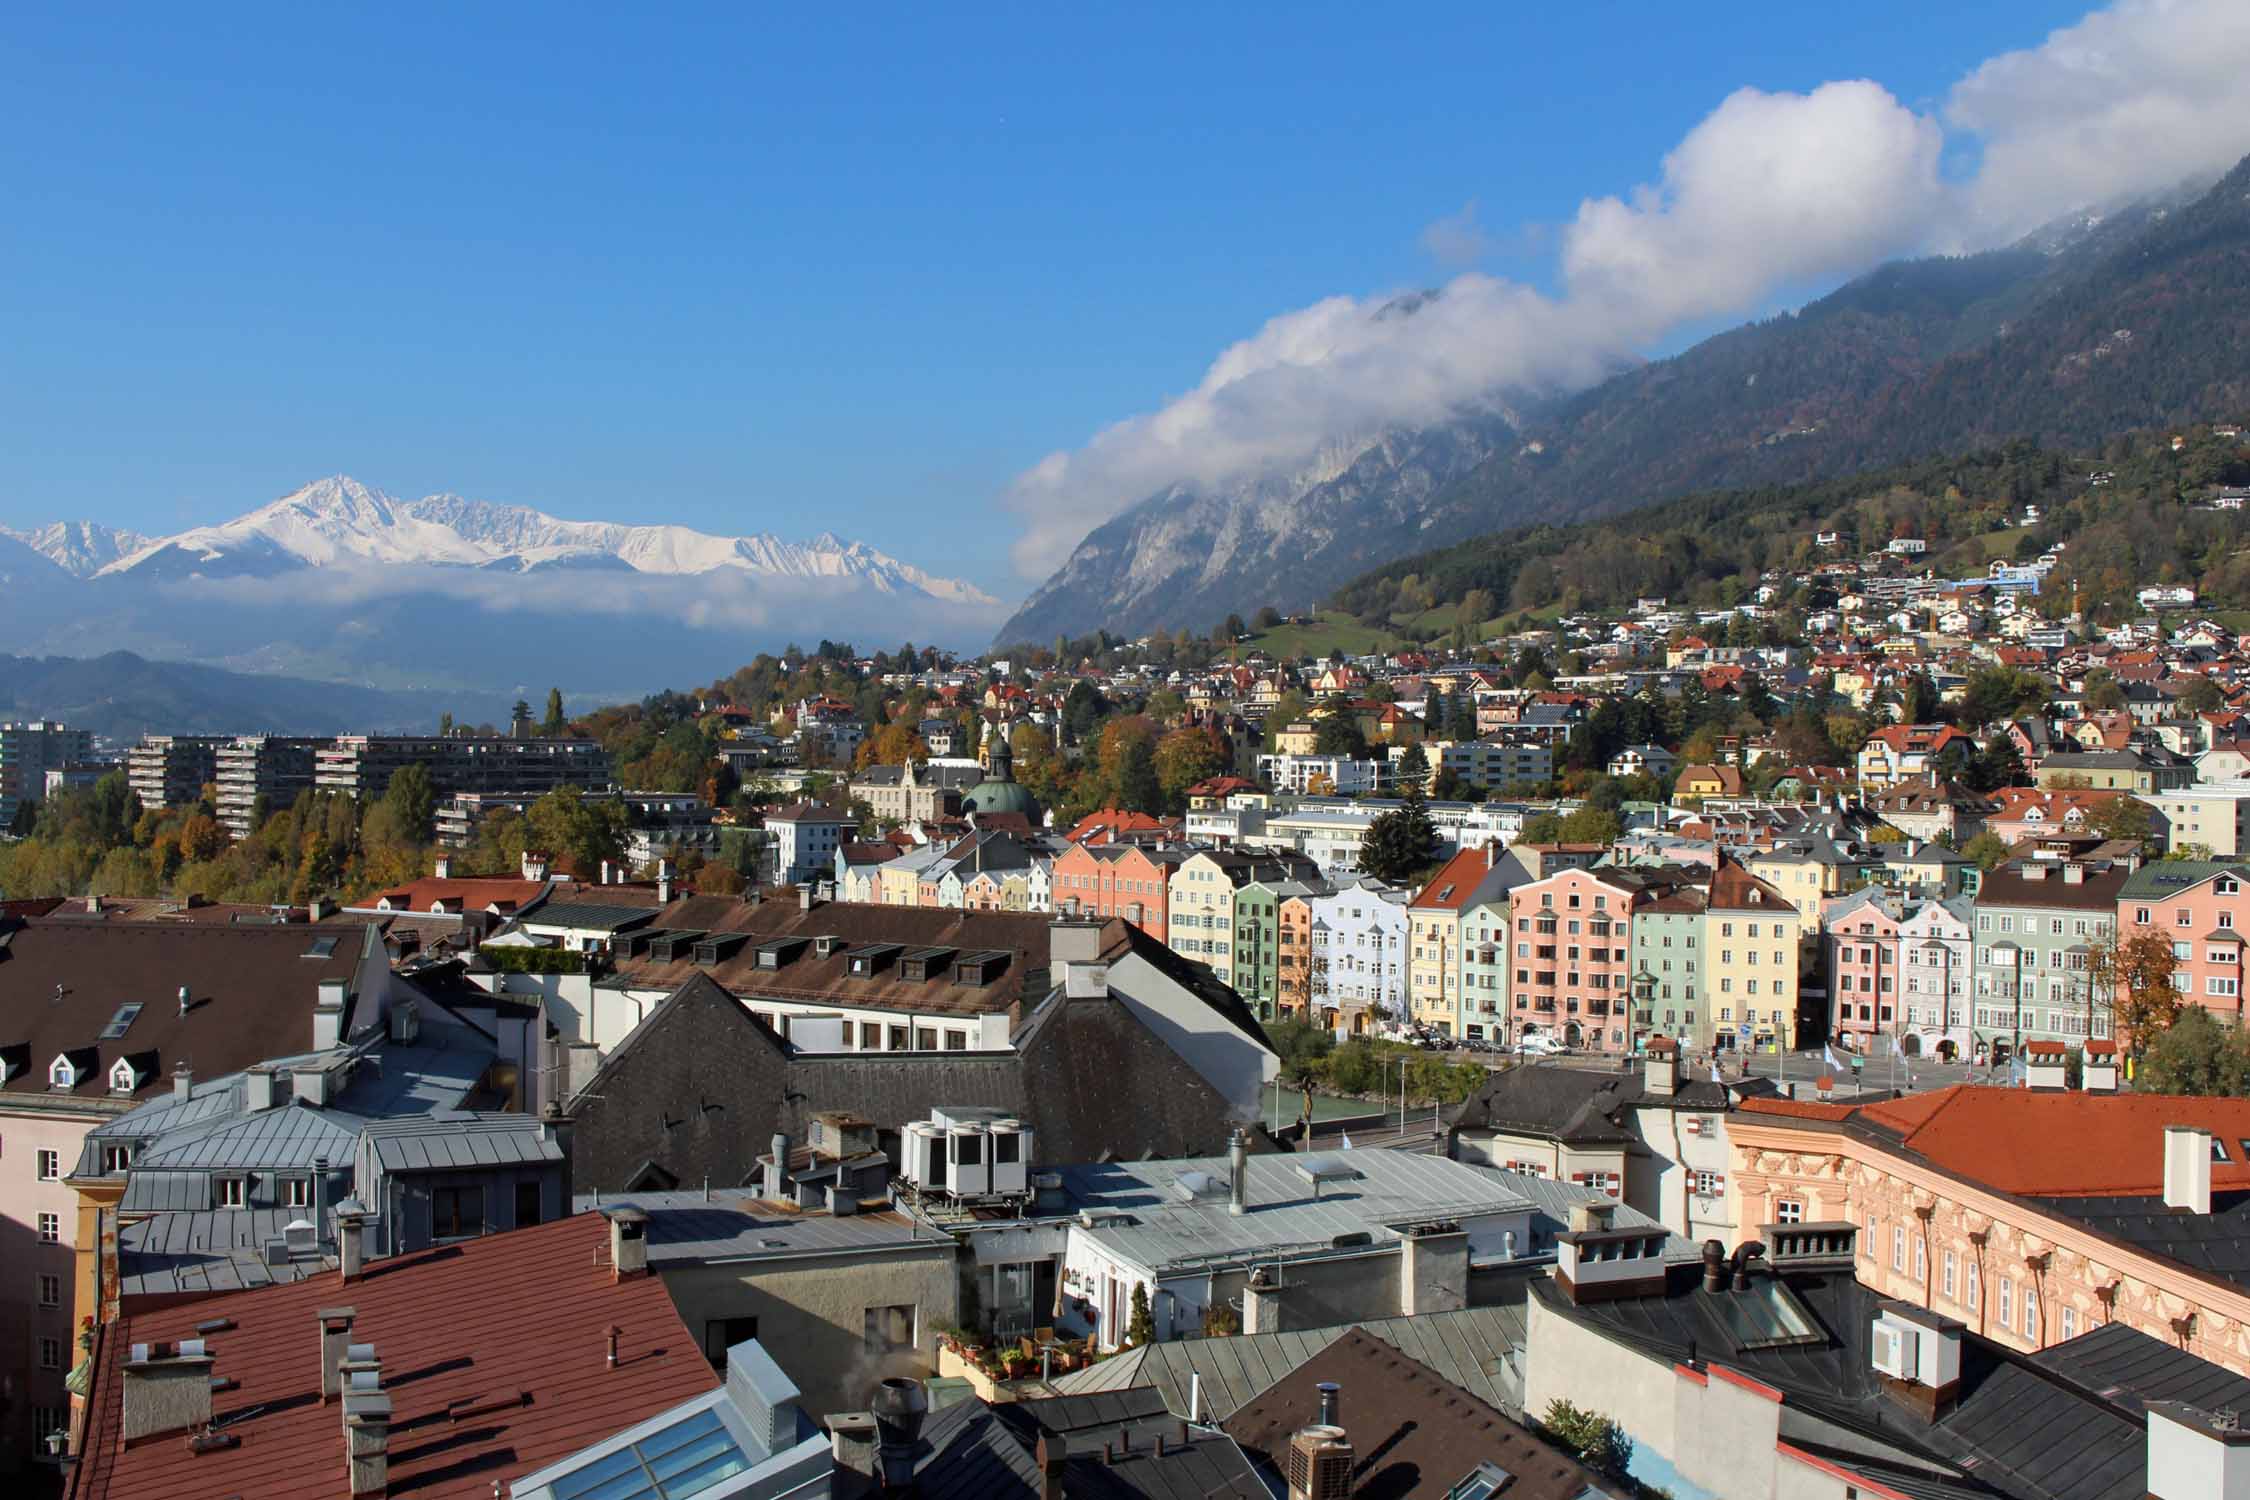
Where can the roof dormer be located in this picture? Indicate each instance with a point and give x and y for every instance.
(72, 1068)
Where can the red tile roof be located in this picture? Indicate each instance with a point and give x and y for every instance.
(523, 1312)
(2045, 1145)
(468, 893)
(1456, 882)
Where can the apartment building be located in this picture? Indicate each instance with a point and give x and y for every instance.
(805, 840)
(2212, 817)
(28, 751)
(1434, 980)
(2039, 921)
(261, 773)
(1572, 958)
(1201, 924)
(1750, 949)
(1670, 997)
(171, 770)
(1258, 944)
(2202, 907)
(1358, 941)
(1937, 959)
(1127, 881)
(362, 765)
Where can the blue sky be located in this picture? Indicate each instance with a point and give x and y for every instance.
(755, 269)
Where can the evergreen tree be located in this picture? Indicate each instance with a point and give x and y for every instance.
(552, 726)
(1337, 731)
(1138, 788)
(1399, 843)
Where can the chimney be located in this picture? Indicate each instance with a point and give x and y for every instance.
(851, 1441)
(776, 1185)
(1238, 1172)
(167, 1389)
(1662, 1079)
(406, 1020)
(367, 1424)
(351, 1236)
(606, 872)
(183, 1081)
(534, 865)
(93, 905)
(261, 1087)
(335, 1339)
(316, 909)
(2194, 1454)
(2187, 1168)
(1053, 1454)
(1330, 1391)
(899, 1407)
(443, 869)
(804, 897)
(628, 1241)
(1320, 1464)
(186, 1000)
(1074, 940)
(664, 882)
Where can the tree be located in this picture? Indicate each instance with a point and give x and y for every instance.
(2196, 1054)
(2121, 817)
(409, 804)
(1337, 732)
(2132, 975)
(1596, 1441)
(1414, 768)
(1541, 828)
(1187, 756)
(553, 724)
(892, 745)
(2203, 697)
(1399, 843)
(1134, 785)
(1987, 849)
(1267, 618)
(2102, 691)
(1082, 711)
(1140, 1326)
(1590, 825)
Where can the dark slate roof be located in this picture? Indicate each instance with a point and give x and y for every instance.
(2216, 1243)
(2017, 1429)
(590, 916)
(1583, 1106)
(2127, 1368)
(699, 1088)
(1121, 1443)
(1413, 1432)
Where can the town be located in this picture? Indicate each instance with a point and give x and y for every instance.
(1749, 1050)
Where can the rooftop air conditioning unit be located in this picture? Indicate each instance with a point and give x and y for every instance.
(1894, 1351)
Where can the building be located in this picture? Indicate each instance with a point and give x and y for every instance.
(1773, 1373)
(1260, 956)
(1899, 753)
(171, 770)
(1642, 760)
(1655, 1139)
(261, 773)
(2138, 772)
(1750, 952)
(1124, 1050)
(2031, 1215)
(28, 751)
(96, 1017)
(1358, 940)
(1937, 955)
(1436, 992)
(805, 839)
(1200, 923)
(919, 791)
(1118, 1444)
(1129, 881)
(1668, 983)
(2201, 907)
(2038, 923)
(362, 765)
(486, 1365)
(1572, 959)
(2209, 817)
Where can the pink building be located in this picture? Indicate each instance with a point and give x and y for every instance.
(1572, 959)
(1860, 934)
(2204, 908)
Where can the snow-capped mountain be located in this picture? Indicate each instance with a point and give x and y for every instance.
(79, 548)
(340, 522)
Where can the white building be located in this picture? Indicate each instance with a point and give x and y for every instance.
(1359, 952)
(805, 838)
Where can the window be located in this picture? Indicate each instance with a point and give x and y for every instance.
(232, 1191)
(1946, 1268)
(2031, 1312)
(456, 1212)
(1898, 1247)
(1789, 1211)
(50, 1354)
(2005, 1302)
(1709, 1184)
(2069, 1323)
(1976, 1286)
(528, 1204)
(50, 1166)
(888, 1329)
(50, 1290)
(50, 1229)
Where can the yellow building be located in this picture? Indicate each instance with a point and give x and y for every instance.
(1750, 957)
(1200, 924)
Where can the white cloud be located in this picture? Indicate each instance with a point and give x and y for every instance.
(2133, 98)
(1771, 192)
(1457, 239)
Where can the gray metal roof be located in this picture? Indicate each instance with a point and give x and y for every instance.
(289, 1135)
(1381, 1190)
(688, 1226)
(1553, 1201)
(458, 1138)
(588, 916)
(218, 1250)
(1471, 1348)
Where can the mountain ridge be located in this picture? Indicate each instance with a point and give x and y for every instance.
(1914, 357)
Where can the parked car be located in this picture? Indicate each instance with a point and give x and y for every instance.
(1539, 1044)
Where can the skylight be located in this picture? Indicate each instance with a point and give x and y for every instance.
(120, 1023)
(684, 1459)
(323, 947)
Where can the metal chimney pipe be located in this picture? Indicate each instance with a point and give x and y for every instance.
(1238, 1172)
(1329, 1392)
